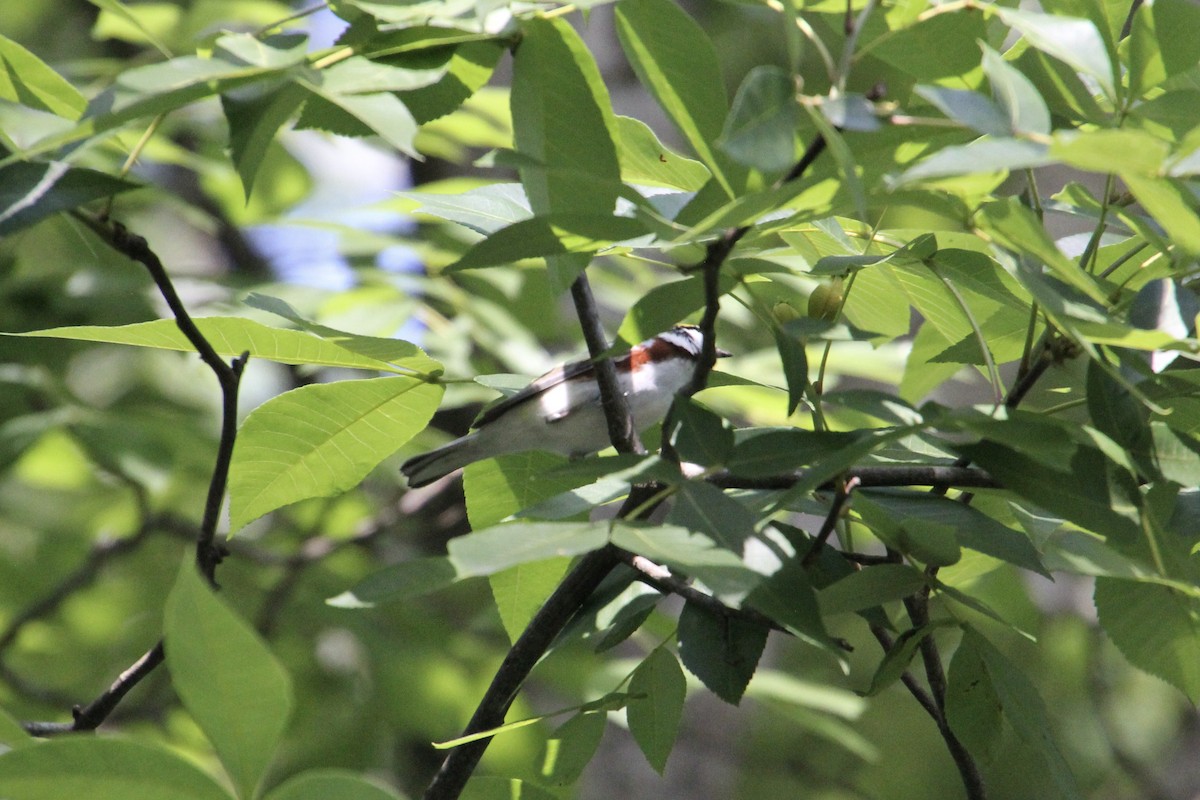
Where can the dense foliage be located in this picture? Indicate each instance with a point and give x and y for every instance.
(931, 529)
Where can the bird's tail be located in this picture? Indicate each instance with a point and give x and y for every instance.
(428, 467)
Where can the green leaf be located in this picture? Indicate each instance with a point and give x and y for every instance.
(936, 47)
(468, 69)
(397, 582)
(1087, 489)
(277, 50)
(1130, 151)
(972, 707)
(379, 113)
(970, 108)
(331, 784)
(12, 735)
(485, 209)
(794, 359)
(870, 587)
(629, 617)
(647, 161)
(520, 591)
(778, 451)
(1176, 455)
(760, 130)
(226, 677)
(702, 437)
(1114, 410)
(402, 354)
(659, 688)
(1161, 44)
(1015, 227)
(1016, 94)
(676, 62)
(549, 236)
(1075, 42)
(571, 747)
(895, 662)
(1025, 711)
(703, 508)
(25, 79)
(1171, 206)
(932, 542)
(322, 439)
(30, 192)
(787, 597)
(722, 651)
(130, 25)
(563, 121)
(232, 336)
(491, 550)
(691, 553)
(102, 768)
(981, 155)
(255, 114)
(358, 75)
(500, 487)
(1155, 627)
(664, 305)
(147, 91)
(971, 527)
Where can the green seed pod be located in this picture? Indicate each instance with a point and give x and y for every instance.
(826, 300)
(784, 312)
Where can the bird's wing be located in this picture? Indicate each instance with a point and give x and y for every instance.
(575, 369)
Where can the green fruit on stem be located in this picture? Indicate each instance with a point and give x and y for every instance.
(826, 300)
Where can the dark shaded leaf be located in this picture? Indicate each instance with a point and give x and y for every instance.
(658, 688)
(30, 192)
(722, 651)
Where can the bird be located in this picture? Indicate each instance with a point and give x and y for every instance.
(561, 411)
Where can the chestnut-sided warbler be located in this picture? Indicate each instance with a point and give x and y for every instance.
(561, 411)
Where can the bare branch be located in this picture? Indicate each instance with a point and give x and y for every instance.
(666, 583)
(208, 552)
(835, 513)
(871, 477)
(616, 409)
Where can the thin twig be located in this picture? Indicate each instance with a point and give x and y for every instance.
(835, 512)
(917, 606)
(208, 552)
(665, 583)
(868, 477)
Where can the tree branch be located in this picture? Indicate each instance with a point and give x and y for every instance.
(876, 476)
(533, 643)
(621, 431)
(583, 579)
(918, 612)
(847, 486)
(665, 583)
(208, 552)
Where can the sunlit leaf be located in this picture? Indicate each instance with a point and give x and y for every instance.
(102, 768)
(30, 192)
(320, 440)
(227, 678)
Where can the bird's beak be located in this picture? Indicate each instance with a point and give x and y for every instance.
(723, 353)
